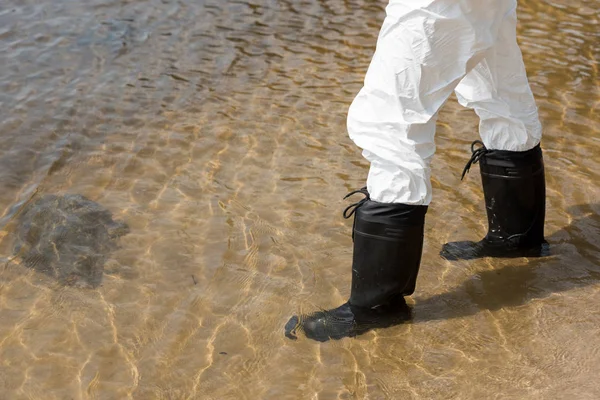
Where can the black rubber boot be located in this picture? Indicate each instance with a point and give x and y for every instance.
(388, 242)
(514, 188)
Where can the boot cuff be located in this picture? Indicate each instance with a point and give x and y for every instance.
(512, 164)
(392, 214)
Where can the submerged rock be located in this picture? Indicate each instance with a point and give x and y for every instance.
(67, 237)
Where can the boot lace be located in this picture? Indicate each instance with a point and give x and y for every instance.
(351, 209)
(476, 155)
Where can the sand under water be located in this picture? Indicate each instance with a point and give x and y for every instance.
(216, 131)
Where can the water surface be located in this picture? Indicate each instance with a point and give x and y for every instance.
(216, 130)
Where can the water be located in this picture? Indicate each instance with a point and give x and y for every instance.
(216, 130)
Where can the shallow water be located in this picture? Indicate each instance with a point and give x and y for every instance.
(216, 130)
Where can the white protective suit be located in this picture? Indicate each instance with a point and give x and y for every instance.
(425, 50)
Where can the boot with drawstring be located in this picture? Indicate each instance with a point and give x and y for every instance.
(388, 242)
(515, 200)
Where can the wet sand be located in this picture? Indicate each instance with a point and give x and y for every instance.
(216, 130)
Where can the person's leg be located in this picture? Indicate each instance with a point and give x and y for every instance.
(510, 158)
(424, 49)
(499, 92)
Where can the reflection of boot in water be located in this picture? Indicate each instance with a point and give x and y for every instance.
(515, 198)
(388, 242)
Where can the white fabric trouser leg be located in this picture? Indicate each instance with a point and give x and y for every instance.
(425, 50)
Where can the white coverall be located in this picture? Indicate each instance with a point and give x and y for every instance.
(425, 50)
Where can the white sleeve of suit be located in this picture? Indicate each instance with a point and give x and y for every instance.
(427, 49)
